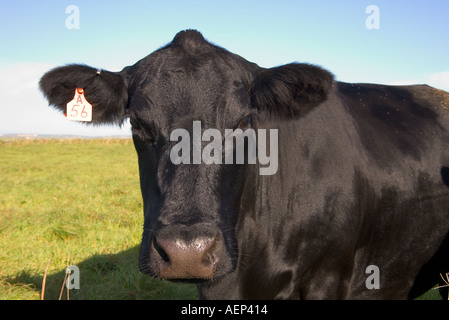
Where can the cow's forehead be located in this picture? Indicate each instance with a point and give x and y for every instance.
(203, 82)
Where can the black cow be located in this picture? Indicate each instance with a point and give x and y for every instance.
(357, 208)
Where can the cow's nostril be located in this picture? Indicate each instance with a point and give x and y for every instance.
(179, 259)
(161, 251)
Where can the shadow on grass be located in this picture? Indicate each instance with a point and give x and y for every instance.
(108, 276)
(117, 277)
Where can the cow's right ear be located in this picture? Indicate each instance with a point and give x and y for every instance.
(106, 91)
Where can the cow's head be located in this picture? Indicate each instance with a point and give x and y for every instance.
(191, 210)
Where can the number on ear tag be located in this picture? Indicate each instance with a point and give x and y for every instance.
(79, 109)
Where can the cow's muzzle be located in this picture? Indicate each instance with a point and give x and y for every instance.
(178, 259)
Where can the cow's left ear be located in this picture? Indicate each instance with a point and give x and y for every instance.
(290, 90)
(106, 91)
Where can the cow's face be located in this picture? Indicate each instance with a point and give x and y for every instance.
(191, 207)
(178, 100)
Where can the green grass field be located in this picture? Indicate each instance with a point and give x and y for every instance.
(73, 202)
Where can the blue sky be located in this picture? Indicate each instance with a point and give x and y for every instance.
(411, 45)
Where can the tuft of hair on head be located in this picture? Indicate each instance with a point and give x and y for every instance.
(189, 40)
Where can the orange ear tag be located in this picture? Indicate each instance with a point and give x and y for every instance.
(79, 109)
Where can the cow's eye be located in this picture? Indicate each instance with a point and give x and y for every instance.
(134, 124)
(246, 123)
(141, 131)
